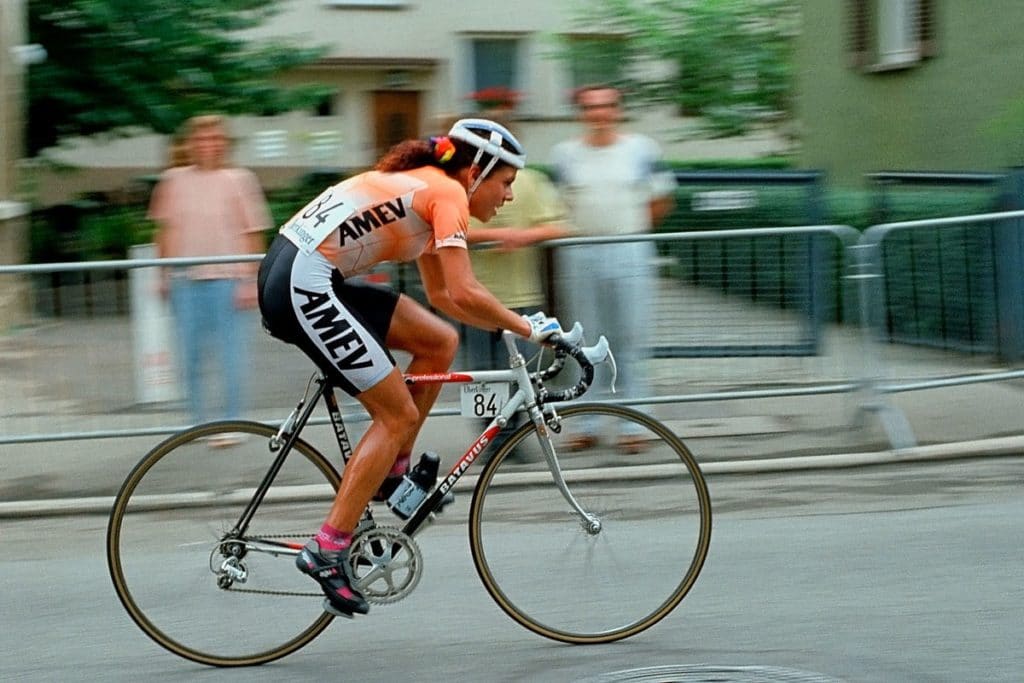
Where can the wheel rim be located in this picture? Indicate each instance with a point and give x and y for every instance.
(578, 586)
(177, 505)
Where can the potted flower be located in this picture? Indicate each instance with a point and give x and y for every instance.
(498, 97)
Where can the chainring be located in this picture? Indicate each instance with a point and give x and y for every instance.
(386, 564)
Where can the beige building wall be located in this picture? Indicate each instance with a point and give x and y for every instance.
(13, 231)
(422, 46)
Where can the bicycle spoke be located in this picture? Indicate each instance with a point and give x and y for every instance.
(654, 526)
(186, 581)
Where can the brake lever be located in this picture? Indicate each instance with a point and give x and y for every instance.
(575, 335)
(601, 352)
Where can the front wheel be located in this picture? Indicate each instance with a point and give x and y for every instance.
(624, 567)
(193, 586)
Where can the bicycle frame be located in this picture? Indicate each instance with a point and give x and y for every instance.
(525, 395)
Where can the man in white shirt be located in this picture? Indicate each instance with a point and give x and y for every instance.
(614, 183)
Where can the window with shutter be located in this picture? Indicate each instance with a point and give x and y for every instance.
(890, 34)
(495, 63)
(926, 28)
(860, 24)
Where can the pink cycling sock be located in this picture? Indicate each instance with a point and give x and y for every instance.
(400, 467)
(331, 539)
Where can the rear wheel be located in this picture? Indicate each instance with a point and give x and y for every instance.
(618, 572)
(194, 587)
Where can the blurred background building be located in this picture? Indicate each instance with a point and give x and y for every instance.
(910, 85)
(396, 67)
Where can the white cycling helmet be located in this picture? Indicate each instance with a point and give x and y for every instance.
(499, 143)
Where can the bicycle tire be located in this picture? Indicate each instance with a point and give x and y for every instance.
(164, 537)
(547, 572)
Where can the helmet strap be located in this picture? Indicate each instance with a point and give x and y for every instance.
(496, 141)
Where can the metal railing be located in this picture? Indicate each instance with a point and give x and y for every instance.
(713, 282)
(72, 379)
(875, 280)
(77, 376)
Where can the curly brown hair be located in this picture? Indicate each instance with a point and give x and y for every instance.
(410, 154)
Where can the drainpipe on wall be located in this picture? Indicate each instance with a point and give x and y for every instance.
(15, 56)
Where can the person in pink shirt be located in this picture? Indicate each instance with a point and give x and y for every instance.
(415, 205)
(208, 208)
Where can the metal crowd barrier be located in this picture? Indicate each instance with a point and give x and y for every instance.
(738, 292)
(1005, 326)
(77, 377)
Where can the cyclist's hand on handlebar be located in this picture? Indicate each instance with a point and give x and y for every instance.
(542, 327)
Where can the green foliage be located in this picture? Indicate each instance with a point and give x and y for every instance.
(728, 61)
(118, 65)
(108, 234)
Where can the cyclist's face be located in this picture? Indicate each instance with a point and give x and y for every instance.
(495, 190)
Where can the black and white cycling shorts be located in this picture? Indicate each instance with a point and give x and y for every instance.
(341, 325)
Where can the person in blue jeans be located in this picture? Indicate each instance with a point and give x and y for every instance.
(204, 207)
(615, 184)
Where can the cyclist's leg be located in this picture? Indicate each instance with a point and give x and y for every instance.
(432, 343)
(393, 420)
(325, 558)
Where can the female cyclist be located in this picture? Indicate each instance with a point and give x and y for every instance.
(415, 205)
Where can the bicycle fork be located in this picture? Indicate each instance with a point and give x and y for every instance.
(589, 522)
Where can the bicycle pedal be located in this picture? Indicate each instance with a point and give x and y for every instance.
(331, 609)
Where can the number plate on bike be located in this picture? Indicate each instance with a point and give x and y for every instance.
(484, 399)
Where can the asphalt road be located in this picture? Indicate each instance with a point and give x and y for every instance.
(900, 573)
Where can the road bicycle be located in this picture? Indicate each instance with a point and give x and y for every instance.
(577, 545)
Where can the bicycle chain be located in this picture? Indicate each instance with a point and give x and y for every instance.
(258, 591)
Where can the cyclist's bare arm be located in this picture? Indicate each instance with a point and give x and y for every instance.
(452, 288)
(515, 238)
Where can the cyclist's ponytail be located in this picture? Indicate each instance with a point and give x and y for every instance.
(470, 142)
(449, 155)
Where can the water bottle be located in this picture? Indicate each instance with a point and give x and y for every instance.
(416, 483)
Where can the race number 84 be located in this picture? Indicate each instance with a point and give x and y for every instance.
(483, 399)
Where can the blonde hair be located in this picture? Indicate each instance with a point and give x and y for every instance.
(177, 152)
(204, 122)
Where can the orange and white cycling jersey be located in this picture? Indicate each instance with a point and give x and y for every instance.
(375, 217)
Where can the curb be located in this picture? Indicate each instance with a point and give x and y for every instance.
(1010, 445)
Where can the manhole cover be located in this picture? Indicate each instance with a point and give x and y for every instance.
(711, 673)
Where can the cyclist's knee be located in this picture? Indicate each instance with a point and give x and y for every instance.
(440, 344)
(400, 419)
(448, 345)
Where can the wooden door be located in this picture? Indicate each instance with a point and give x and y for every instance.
(396, 117)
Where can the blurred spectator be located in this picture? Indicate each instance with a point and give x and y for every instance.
(614, 184)
(208, 208)
(177, 151)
